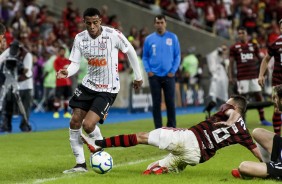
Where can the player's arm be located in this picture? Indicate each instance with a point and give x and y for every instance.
(146, 58)
(233, 117)
(125, 46)
(133, 59)
(263, 68)
(231, 69)
(257, 153)
(176, 58)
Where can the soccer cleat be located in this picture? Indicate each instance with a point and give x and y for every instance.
(157, 170)
(56, 115)
(265, 123)
(78, 168)
(67, 115)
(235, 173)
(90, 142)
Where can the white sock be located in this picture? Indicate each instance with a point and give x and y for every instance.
(96, 134)
(264, 154)
(77, 145)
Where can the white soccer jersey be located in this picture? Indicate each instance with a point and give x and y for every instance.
(102, 57)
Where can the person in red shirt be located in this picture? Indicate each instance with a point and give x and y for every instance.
(63, 85)
(245, 54)
(275, 51)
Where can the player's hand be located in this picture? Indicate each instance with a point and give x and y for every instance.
(62, 73)
(170, 75)
(150, 74)
(224, 123)
(137, 84)
(261, 81)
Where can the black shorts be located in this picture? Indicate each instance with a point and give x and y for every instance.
(274, 167)
(64, 91)
(98, 102)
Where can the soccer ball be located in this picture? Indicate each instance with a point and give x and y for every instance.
(101, 162)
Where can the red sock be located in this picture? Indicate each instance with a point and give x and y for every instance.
(276, 118)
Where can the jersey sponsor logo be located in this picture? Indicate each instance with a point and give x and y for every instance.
(247, 56)
(97, 62)
(122, 40)
(97, 85)
(169, 41)
(102, 45)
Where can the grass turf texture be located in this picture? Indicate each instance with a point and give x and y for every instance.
(40, 157)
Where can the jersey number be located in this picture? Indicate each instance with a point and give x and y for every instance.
(224, 132)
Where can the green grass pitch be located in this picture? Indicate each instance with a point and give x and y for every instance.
(40, 157)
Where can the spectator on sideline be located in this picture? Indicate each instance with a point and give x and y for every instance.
(63, 86)
(161, 58)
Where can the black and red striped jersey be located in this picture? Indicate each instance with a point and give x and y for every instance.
(212, 137)
(275, 50)
(246, 57)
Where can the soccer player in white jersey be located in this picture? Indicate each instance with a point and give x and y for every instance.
(93, 98)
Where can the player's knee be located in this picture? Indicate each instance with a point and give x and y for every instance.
(75, 122)
(88, 126)
(243, 167)
(257, 132)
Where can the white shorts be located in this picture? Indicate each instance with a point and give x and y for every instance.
(248, 86)
(182, 144)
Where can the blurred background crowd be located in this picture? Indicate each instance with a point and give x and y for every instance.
(43, 32)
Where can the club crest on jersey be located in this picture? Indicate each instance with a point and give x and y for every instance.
(169, 41)
(102, 45)
(251, 48)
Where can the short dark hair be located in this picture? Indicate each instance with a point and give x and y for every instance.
(241, 28)
(242, 103)
(159, 17)
(2, 29)
(91, 12)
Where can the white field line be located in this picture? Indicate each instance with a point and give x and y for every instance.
(38, 181)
